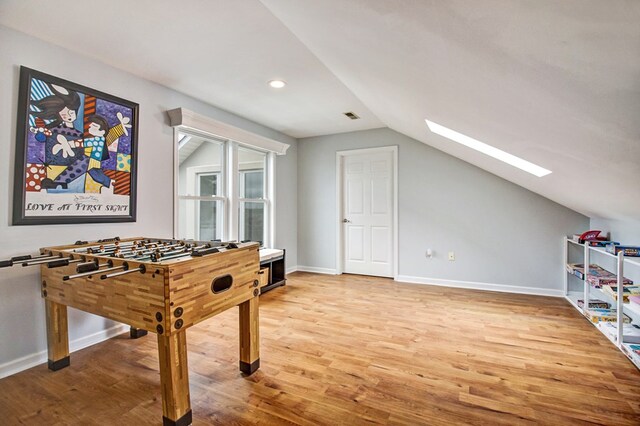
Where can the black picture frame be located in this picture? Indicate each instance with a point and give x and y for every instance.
(71, 171)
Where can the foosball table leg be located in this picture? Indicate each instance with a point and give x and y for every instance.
(136, 333)
(174, 379)
(249, 336)
(57, 335)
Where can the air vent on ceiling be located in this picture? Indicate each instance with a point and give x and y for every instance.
(351, 115)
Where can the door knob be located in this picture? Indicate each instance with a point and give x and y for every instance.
(346, 221)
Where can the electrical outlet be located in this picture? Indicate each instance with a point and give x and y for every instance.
(452, 256)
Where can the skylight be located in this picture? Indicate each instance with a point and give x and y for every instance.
(487, 149)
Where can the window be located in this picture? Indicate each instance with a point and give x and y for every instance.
(252, 201)
(209, 218)
(223, 190)
(201, 193)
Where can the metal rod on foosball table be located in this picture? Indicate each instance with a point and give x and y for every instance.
(127, 245)
(123, 267)
(161, 249)
(142, 269)
(95, 271)
(92, 266)
(176, 256)
(23, 258)
(171, 252)
(28, 257)
(44, 260)
(102, 250)
(124, 252)
(106, 246)
(64, 262)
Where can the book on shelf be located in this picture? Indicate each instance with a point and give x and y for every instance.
(595, 303)
(630, 332)
(602, 243)
(605, 315)
(631, 251)
(598, 276)
(632, 351)
(627, 290)
(634, 299)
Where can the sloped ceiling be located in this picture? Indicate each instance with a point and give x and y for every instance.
(554, 82)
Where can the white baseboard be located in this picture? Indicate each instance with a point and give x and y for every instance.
(325, 271)
(481, 286)
(291, 269)
(31, 360)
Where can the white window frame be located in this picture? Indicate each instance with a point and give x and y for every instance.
(193, 189)
(242, 199)
(229, 189)
(220, 213)
(192, 232)
(267, 199)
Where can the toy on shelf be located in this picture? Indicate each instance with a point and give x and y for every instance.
(605, 315)
(627, 290)
(629, 251)
(598, 276)
(593, 235)
(595, 304)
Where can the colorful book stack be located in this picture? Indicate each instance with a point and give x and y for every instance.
(595, 303)
(605, 315)
(627, 291)
(598, 276)
(630, 332)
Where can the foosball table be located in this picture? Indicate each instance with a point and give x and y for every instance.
(153, 285)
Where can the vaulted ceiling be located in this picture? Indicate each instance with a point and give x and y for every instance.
(556, 82)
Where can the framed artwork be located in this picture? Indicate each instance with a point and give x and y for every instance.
(76, 154)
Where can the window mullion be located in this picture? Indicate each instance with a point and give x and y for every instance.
(232, 190)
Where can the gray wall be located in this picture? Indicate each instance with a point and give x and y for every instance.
(21, 308)
(286, 195)
(625, 232)
(500, 232)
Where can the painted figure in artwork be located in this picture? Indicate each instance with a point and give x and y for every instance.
(97, 143)
(54, 126)
(74, 145)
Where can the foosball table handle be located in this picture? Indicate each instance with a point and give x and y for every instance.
(106, 240)
(63, 262)
(58, 263)
(142, 269)
(204, 252)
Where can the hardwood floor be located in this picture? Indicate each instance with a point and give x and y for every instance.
(350, 350)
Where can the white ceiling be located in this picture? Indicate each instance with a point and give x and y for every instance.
(556, 82)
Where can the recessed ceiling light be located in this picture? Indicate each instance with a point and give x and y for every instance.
(277, 84)
(487, 149)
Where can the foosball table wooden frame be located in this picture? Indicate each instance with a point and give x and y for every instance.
(165, 294)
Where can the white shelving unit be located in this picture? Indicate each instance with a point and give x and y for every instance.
(587, 293)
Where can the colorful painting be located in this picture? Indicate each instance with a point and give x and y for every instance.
(76, 153)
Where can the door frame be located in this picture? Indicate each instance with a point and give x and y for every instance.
(340, 156)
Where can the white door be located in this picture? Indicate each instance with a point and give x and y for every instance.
(367, 213)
